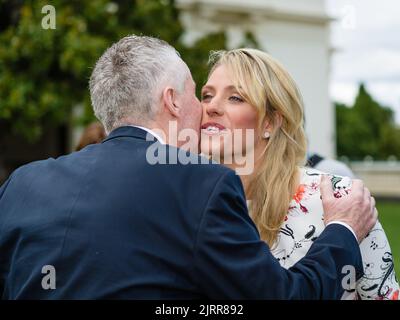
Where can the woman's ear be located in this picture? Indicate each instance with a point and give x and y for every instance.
(270, 125)
(278, 120)
(170, 101)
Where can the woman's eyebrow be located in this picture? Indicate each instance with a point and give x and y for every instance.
(231, 88)
(228, 88)
(207, 86)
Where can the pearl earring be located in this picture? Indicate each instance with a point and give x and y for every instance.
(266, 134)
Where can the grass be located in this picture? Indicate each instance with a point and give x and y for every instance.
(389, 216)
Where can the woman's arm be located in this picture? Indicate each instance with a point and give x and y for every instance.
(379, 281)
(231, 262)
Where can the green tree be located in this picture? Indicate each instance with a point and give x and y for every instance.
(44, 73)
(367, 128)
(197, 55)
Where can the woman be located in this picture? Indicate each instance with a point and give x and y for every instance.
(248, 90)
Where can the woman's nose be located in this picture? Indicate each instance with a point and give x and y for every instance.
(213, 108)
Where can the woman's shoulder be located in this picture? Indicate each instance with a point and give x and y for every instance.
(310, 177)
(304, 221)
(306, 199)
(306, 206)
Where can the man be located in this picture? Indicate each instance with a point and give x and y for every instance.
(106, 223)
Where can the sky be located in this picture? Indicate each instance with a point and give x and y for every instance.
(365, 38)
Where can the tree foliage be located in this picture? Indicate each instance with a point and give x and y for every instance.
(44, 72)
(366, 129)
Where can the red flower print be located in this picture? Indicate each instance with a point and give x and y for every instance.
(303, 208)
(299, 193)
(314, 186)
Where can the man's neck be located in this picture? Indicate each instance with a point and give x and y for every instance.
(156, 128)
(154, 132)
(161, 130)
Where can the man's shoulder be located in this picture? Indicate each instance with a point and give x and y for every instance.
(31, 167)
(44, 168)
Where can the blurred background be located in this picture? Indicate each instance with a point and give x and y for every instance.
(343, 54)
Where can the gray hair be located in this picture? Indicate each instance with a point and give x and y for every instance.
(129, 77)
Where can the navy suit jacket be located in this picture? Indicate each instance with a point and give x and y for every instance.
(117, 226)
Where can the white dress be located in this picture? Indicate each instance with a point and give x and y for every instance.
(304, 223)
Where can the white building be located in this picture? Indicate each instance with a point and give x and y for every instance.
(296, 32)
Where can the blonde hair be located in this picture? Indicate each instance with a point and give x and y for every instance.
(267, 86)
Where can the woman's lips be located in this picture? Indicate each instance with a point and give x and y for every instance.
(212, 128)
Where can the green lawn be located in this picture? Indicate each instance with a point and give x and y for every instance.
(389, 216)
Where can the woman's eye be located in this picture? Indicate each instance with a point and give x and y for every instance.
(236, 99)
(205, 96)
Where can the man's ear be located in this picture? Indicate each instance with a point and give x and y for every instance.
(170, 101)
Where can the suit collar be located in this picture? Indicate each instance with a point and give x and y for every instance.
(129, 131)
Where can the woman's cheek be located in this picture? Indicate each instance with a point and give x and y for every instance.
(243, 119)
(243, 123)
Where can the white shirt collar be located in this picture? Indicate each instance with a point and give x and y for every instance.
(151, 132)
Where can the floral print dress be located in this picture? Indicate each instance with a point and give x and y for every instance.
(304, 223)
